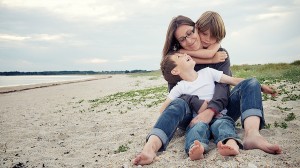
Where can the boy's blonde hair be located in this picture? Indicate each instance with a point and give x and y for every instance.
(213, 21)
(166, 66)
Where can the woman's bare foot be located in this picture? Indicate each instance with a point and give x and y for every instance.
(256, 141)
(144, 158)
(196, 151)
(148, 154)
(231, 148)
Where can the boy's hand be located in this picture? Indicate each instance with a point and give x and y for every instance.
(268, 90)
(203, 107)
(220, 56)
(205, 116)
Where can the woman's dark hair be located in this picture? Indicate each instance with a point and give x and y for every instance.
(171, 43)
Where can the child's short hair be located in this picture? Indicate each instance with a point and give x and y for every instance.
(213, 21)
(166, 66)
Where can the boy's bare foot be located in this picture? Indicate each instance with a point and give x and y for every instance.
(196, 151)
(256, 141)
(231, 148)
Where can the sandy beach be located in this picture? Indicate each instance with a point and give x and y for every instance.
(70, 125)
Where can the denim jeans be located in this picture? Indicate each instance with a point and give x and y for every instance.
(177, 113)
(221, 129)
(244, 101)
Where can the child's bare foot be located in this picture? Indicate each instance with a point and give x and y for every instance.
(196, 151)
(256, 141)
(143, 158)
(231, 148)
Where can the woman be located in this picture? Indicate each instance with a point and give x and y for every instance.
(180, 111)
(211, 29)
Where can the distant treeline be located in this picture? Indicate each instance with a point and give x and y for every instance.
(17, 73)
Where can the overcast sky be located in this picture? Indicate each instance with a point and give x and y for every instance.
(105, 35)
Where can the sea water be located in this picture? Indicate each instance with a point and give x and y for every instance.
(9, 81)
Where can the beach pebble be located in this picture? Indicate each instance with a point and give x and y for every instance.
(251, 165)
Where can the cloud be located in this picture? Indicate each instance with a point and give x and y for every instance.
(272, 12)
(34, 37)
(104, 11)
(268, 16)
(134, 58)
(73, 10)
(48, 37)
(8, 37)
(91, 61)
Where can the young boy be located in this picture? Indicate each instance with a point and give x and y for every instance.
(176, 66)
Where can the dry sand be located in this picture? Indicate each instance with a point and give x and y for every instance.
(56, 127)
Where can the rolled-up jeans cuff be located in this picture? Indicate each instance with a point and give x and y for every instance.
(162, 136)
(205, 146)
(253, 112)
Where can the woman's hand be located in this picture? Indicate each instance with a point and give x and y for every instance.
(220, 56)
(205, 116)
(182, 51)
(268, 90)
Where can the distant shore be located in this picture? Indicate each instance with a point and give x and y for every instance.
(9, 89)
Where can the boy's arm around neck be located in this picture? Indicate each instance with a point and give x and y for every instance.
(203, 53)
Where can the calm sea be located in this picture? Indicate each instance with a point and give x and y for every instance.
(8, 81)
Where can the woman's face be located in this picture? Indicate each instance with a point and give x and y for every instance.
(188, 37)
(207, 39)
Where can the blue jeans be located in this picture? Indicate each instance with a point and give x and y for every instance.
(221, 129)
(177, 113)
(245, 100)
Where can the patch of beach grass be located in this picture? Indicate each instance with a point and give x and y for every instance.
(291, 97)
(290, 117)
(122, 148)
(269, 72)
(133, 99)
(153, 75)
(282, 109)
(281, 125)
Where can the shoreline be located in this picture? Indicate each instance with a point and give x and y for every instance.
(10, 89)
